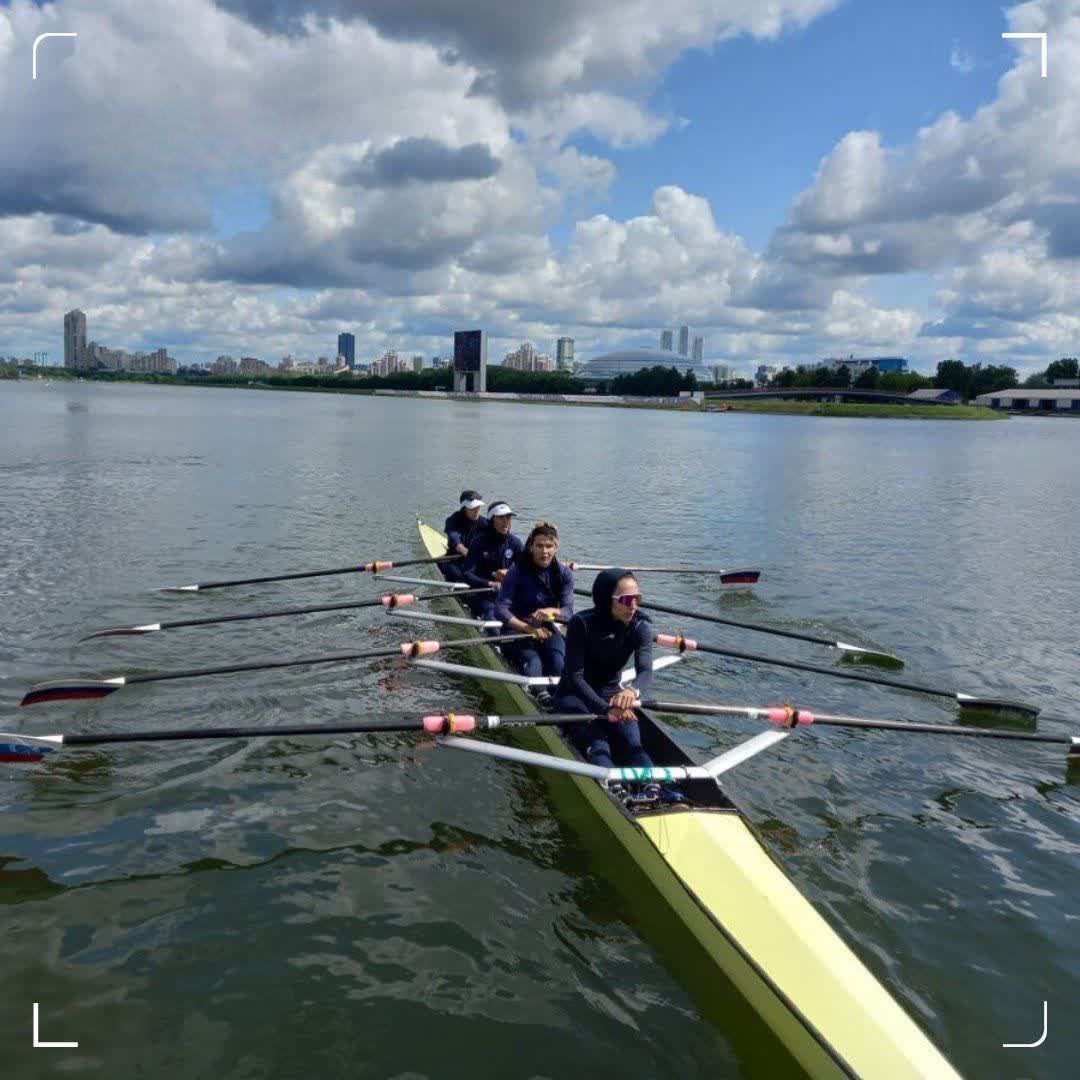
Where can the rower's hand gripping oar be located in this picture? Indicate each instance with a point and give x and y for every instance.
(854, 652)
(786, 716)
(967, 702)
(17, 747)
(363, 568)
(73, 689)
(388, 601)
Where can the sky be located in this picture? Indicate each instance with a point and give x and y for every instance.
(793, 179)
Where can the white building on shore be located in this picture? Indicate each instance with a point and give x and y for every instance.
(1056, 400)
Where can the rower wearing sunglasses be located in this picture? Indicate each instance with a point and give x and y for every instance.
(599, 643)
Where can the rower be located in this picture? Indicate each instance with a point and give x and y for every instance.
(492, 552)
(461, 529)
(537, 590)
(599, 642)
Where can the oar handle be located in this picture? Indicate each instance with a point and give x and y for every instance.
(435, 724)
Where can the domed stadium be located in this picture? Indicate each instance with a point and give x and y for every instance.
(627, 361)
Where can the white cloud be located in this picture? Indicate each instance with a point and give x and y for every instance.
(417, 154)
(961, 60)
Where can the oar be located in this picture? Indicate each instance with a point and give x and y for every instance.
(746, 576)
(72, 689)
(869, 655)
(966, 702)
(364, 568)
(786, 716)
(389, 600)
(29, 748)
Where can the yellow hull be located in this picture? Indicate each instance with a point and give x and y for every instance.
(813, 992)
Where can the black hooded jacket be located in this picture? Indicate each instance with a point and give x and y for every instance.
(598, 648)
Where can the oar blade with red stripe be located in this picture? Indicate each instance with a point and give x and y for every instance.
(740, 577)
(71, 690)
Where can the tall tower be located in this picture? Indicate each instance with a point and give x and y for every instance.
(564, 354)
(470, 361)
(699, 350)
(667, 340)
(346, 346)
(684, 340)
(74, 339)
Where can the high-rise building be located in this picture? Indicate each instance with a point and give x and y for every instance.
(684, 340)
(74, 339)
(667, 340)
(418, 363)
(526, 358)
(564, 354)
(721, 373)
(699, 350)
(346, 346)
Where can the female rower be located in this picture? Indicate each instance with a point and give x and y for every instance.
(536, 590)
(461, 529)
(599, 642)
(491, 554)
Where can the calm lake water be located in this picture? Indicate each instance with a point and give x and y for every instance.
(368, 907)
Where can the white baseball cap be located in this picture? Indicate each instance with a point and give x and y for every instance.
(500, 509)
(472, 501)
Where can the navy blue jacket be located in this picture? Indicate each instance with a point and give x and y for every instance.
(489, 552)
(597, 650)
(460, 530)
(526, 587)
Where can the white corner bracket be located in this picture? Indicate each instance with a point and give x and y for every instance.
(1042, 36)
(1038, 1042)
(37, 41)
(38, 1044)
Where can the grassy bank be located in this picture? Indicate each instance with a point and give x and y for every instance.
(828, 408)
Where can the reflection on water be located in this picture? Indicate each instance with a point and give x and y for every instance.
(287, 906)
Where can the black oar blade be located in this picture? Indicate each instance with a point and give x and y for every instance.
(858, 654)
(121, 631)
(70, 690)
(740, 577)
(988, 708)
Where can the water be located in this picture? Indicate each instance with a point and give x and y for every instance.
(372, 907)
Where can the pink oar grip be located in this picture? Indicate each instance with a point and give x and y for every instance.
(374, 567)
(676, 641)
(418, 648)
(401, 599)
(789, 717)
(449, 722)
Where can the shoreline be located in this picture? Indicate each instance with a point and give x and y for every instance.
(710, 404)
(855, 410)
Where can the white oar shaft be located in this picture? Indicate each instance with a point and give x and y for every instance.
(455, 585)
(452, 620)
(659, 774)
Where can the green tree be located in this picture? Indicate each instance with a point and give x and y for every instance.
(868, 379)
(1067, 368)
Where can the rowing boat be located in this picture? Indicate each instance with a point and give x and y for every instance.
(706, 861)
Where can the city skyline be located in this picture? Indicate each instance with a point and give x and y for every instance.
(866, 210)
